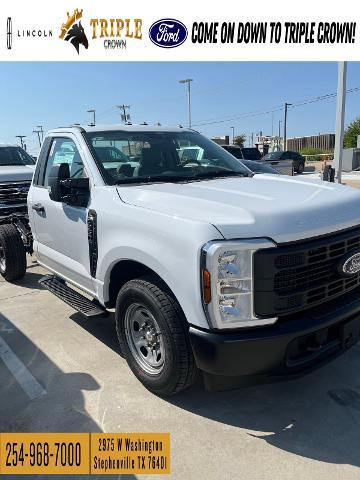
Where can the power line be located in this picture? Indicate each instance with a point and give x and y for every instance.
(275, 109)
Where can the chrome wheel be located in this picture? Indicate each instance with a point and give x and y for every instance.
(144, 338)
(2, 260)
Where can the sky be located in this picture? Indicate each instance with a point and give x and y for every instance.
(224, 95)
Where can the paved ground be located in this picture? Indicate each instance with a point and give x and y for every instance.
(307, 428)
(313, 170)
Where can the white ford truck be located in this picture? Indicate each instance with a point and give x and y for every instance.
(209, 268)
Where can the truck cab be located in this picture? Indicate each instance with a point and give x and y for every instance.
(209, 268)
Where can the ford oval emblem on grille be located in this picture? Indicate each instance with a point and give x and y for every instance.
(168, 33)
(351, 264)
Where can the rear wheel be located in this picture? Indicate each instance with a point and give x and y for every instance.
(300, 168)
(152, 332)
(12, 253)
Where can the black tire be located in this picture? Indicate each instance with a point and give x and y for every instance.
(179, 370)
(300, 168)
(12, 253)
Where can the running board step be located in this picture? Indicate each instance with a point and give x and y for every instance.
(77, 301)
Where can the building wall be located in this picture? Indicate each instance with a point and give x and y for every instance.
(225, 140)
(325, 141)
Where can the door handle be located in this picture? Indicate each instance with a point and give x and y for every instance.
(38, 208)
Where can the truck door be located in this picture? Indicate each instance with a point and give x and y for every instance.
(60, 230)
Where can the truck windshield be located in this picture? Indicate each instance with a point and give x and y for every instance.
(273, 156)
(139, 157)
(14, 156)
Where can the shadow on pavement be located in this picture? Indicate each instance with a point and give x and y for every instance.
(316, 416)
(60, 409)
(102, 328)
(30, 281)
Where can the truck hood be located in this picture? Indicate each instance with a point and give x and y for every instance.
(16, 173)
(279, 207)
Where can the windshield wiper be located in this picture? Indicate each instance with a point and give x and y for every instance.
(181, 178)
(12, 165)
(155, 178)
(222, 173)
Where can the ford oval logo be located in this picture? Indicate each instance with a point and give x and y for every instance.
(168, 33)
(351, 264)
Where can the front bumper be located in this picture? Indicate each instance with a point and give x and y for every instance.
(291, 347)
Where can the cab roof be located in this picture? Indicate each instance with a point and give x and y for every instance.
(119, 127)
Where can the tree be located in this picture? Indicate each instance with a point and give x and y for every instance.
(240, 140)
(351, 133)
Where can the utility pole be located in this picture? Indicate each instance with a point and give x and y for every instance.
(280, 122)
(21, 139)
(92, 110)
(285, 124)
(340, 114)
(252, 139)
(41, 131)
(188, 81)
(125, 117)
(38, 134)
(233, 135)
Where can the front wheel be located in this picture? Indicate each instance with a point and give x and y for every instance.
(152, 332)
(12, 253)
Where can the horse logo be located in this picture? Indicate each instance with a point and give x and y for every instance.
(72, 31)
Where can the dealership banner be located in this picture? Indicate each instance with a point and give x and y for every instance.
(139, 30)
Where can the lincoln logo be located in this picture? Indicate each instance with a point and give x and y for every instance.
(9, 33)
(351, 265)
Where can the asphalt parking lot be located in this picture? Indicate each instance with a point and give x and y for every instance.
(76, 380)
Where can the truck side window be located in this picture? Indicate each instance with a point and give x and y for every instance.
(63, 150)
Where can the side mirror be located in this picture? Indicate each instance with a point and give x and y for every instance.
(62, 188)
(76, 191)
(58, 173)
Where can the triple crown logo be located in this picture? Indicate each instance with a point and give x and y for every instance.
(73, 31)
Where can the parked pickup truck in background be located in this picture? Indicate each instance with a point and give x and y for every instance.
(253, 155)
(295, 157)
(16, 171)
(243, 153)
(209, 268)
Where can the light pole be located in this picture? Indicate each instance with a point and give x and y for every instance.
(285, 123)
(340, 113)
(92, 110)
(188, 81)
(233, 135)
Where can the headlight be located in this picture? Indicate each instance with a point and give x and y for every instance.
(227, 283)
